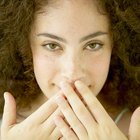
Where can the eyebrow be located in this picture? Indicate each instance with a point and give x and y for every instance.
(93, 35)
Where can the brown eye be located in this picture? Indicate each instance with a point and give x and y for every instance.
(94, 46)
(51, 47)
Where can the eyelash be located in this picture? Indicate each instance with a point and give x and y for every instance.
(98, 45)
(57, 47)
(48, 44)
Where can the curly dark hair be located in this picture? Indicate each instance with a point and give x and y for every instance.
(16, 68)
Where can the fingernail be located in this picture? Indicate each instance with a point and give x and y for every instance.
(77, 83)
(59, 99)
(63, 84)
(57, 120)
(5, 95)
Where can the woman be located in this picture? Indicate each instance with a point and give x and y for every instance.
(57, 56)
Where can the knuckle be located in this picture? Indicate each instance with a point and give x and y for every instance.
(94, 135)
(107, 130)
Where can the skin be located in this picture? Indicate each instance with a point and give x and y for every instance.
(70, 75)
(73, 59)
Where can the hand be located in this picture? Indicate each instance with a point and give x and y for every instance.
(134, 130)
(38, 126)
(84, 122)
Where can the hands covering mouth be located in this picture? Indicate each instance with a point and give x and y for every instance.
(63, 83)
(84, 117)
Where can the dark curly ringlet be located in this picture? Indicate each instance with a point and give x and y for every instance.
(16, 68)
(123, 83)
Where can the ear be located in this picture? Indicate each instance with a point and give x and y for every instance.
(134, 130)
(9, 114)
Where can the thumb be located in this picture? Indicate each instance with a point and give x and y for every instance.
(134, 130)
(9, 114)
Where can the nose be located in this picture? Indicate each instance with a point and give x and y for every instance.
(73, 69)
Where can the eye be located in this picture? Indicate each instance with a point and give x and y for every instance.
(94, 46)
(51, 46)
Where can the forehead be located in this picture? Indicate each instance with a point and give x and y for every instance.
(71, 6)
(70, 16)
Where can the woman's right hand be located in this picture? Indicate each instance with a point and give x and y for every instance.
(38, 126)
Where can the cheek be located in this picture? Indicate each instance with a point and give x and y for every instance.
(44, 68)
(98, 72)
(99, 65)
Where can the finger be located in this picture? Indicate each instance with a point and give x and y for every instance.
(9, 114)
(134, 130)
(78, 106)
(62, 138)
(43, 112)
(65, 129)
(71, 118)
(49, 125)
(56, 134)
(92, 102)
(55, 113)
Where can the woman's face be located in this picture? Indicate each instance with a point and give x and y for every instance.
(70, 41)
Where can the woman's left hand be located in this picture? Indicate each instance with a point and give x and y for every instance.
(84, 122)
